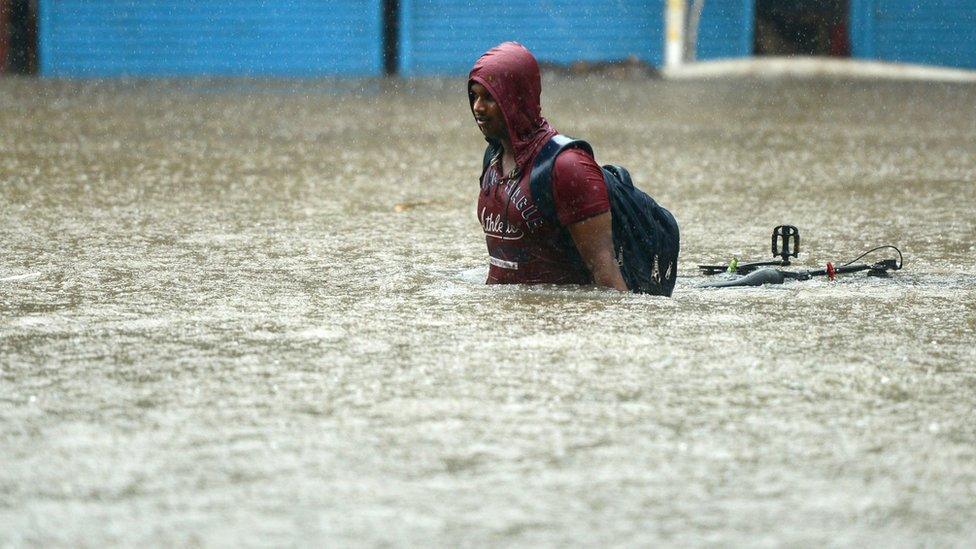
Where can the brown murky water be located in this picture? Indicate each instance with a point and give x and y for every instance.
(252, 312)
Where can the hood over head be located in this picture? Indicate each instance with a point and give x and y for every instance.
(511, 75)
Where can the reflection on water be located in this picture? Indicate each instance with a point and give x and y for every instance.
(254, 311)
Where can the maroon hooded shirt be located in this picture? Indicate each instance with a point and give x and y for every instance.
(524, 247)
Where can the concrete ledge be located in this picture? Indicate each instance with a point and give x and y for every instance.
(815, 67)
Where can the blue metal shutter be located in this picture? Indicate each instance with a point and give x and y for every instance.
(726, 29)
(447, 36)
(95, 38)
(936, 32)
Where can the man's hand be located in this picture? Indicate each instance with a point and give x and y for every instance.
(594, 240)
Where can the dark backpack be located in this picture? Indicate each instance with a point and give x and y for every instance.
(645, 235)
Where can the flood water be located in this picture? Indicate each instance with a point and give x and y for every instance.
(254, 313)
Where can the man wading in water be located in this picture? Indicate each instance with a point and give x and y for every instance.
(525, 247)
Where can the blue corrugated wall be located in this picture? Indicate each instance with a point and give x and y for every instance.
(447, 36)
(726, 29)
(95, 38)
(936, 32)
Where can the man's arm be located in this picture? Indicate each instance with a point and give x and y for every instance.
(594, 240)
(582, 206)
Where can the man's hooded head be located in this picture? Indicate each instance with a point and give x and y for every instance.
(511, 75)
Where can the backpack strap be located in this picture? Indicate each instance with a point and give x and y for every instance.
(540, 182)
(490, 151)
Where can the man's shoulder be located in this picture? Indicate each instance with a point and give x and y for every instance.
(573, 159)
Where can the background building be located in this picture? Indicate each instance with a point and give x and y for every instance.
(100, 38)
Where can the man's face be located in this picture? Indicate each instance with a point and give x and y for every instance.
(487, 113)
